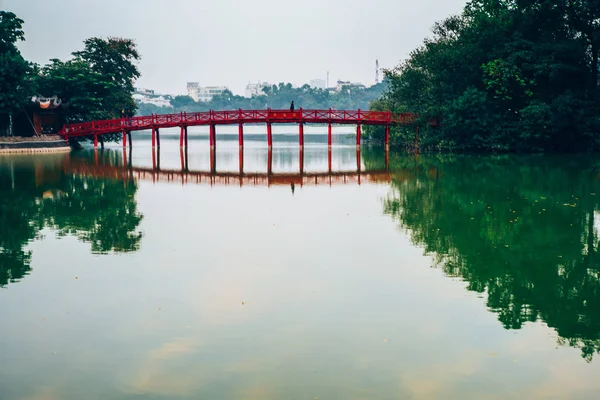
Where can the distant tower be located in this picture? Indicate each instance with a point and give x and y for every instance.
(376, 72)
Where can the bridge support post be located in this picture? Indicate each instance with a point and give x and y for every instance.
(124, 139)
(241, 134)
(153, 137)
(95, 141)
(130, 142)
(269, 135)
(301, 160)
(387, 137)
(329, 159)
(329, 135)
(241, 160)
(301, 134)
(358, 132)
(213, 136)
(181, 135)
(157, 137)
(101, 142)
(186, 137)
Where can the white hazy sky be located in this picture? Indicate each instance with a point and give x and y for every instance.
(233, 42)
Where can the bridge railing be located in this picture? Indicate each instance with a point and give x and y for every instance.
(234, 117)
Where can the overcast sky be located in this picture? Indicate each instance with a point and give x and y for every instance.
(233, 42)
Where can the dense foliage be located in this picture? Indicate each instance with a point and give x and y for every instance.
(506, 75)
(277, 97)
(15, 72)
(521, 230)
(96, 83)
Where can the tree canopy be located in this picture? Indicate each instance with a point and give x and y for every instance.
(15, 72)
(96, 83)
(505, 75)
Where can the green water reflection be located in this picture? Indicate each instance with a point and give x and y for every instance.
(522, 230)
(39, 192)
(263, 292)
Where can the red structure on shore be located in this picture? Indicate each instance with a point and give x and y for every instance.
(239, 117)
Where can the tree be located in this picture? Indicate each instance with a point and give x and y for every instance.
(182, 102)
(114, 59)
(87, 92)
(97, 83)
(15, 72)
(506, 75)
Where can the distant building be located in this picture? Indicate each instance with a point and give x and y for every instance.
(159, 101)
(204, 93)
(255, 89)
(146, 92)
(348, 85)
(318, 83)
(192, 89)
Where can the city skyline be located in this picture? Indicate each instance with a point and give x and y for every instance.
(228, 43)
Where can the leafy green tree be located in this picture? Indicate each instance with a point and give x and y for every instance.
(97, 83)
(15, 72)
(87, 92)
(505, 75)
(114, 59)
(180, 102)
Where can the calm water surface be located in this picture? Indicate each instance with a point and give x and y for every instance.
(436, 277)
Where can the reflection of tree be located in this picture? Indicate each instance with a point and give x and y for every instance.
(102, 212)
(15, 232)
(36, 193)
(520, 229)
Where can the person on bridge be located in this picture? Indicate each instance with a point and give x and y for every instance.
(292, 106)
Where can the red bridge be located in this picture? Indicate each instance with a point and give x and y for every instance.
(239, 117)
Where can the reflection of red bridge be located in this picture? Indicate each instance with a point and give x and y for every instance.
(184, 176)
(239, 117)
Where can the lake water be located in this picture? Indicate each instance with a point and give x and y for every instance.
(133, 276)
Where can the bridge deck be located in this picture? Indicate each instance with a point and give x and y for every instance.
(212, 118)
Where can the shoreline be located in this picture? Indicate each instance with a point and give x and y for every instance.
(33, 145)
